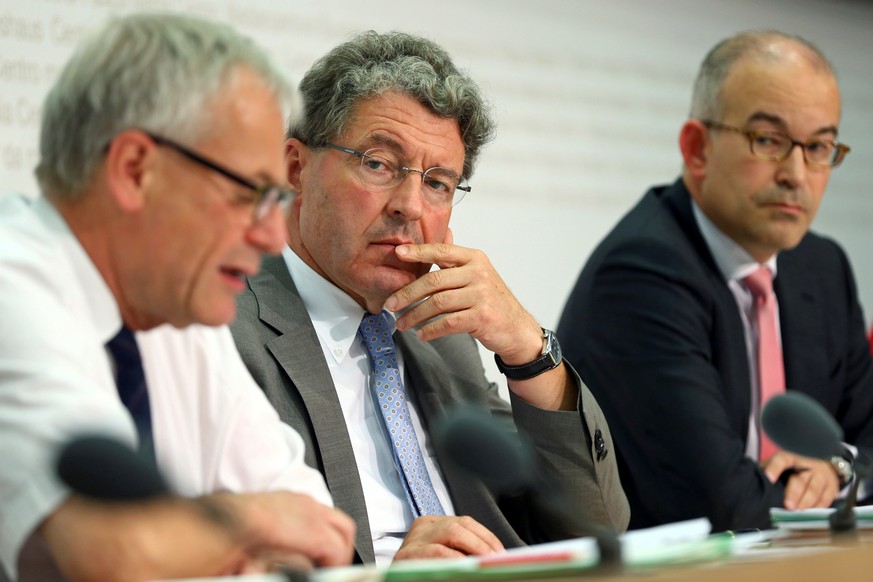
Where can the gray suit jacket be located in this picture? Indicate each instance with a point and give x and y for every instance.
(275, 336)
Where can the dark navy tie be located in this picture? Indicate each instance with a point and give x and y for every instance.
(131, 383)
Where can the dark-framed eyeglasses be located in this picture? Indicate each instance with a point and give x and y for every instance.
(776, 146)
(265, 197)
(382, 169)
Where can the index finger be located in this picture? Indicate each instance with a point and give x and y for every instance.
(484, 534)
(441, 254)
(468, 536)
(779, 463)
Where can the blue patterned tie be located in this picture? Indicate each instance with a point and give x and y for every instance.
(376, 332)
(131, 383)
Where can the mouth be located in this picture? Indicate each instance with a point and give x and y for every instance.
(236, 276)
(787, 208)
(393, 242)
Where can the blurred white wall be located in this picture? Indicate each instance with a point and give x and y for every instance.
(589, 97)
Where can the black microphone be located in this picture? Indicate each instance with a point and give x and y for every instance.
(475, 441)
(103, 468)
(799, 424)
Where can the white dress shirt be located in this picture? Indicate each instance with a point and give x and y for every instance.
(735, 264)
(336, 318)
(213, 427)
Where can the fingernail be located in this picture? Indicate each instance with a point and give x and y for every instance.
(401, 250)
(391, 303)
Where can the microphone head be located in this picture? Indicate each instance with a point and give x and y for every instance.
(799, 424)
(103, 468)
(474, 440)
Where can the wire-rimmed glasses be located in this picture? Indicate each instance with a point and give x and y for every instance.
(383, 169)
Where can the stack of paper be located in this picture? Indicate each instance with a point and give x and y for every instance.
(816, 519)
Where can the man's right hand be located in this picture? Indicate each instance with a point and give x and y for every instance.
(175, 538)
(162, 538)
(447, 537)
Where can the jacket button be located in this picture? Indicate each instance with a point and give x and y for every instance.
(600, 445)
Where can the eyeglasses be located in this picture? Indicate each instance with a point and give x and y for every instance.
(384, 169)
(265, 198)
(776, 146)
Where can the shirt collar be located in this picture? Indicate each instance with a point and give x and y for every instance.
(734, 262)
(102, 308)
(334, 314)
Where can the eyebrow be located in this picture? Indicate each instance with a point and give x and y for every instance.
(780, 123)
(382, 140)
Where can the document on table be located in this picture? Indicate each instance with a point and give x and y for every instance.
(816, 518)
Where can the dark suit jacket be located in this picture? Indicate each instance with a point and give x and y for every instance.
(656, 333)
(275, 336)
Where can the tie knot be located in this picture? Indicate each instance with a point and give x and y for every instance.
(376, 331)
(760, 283)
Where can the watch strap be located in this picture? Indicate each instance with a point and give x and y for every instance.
(549, 360)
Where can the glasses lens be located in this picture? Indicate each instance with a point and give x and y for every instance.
(770, 145)
(270, 197)
(440, 187)
(380, 168)
(820, 152)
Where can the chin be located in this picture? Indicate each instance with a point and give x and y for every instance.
(215, 315)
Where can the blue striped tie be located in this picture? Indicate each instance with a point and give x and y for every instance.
(391, 397)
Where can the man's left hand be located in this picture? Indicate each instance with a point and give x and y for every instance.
(812, 483)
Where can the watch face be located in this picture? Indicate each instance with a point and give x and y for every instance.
(553, 348)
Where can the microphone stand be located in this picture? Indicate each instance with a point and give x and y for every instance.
(842, 522)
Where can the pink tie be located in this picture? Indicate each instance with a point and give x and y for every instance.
(771, 373)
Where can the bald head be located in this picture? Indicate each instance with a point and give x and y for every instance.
(762, 47)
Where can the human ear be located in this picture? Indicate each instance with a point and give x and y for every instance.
(130, 162)
(694, 144)
(296, 155)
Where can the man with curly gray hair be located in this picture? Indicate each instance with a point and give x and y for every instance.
(161, 170)
(362, 346)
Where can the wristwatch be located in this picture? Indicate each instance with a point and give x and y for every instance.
(548, 360)
(844, 468)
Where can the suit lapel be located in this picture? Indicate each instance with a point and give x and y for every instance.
(298, 352)
(803, 338)
(738, 391)
(426, 377)
(429, 381)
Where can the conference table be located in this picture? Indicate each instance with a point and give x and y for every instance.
(812, 556)
(799, 557)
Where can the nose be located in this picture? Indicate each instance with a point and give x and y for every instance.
(792, 170)
(268, 234)
(406, 200)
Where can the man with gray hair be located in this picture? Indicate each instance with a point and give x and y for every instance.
(162, 178)
(362, 347)
(711, 296)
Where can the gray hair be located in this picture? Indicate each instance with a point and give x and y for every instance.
(155, 72)
(706, 100)
(371, 64)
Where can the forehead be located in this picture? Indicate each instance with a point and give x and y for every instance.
(805, 97)
(247, 128)
(401, 122)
